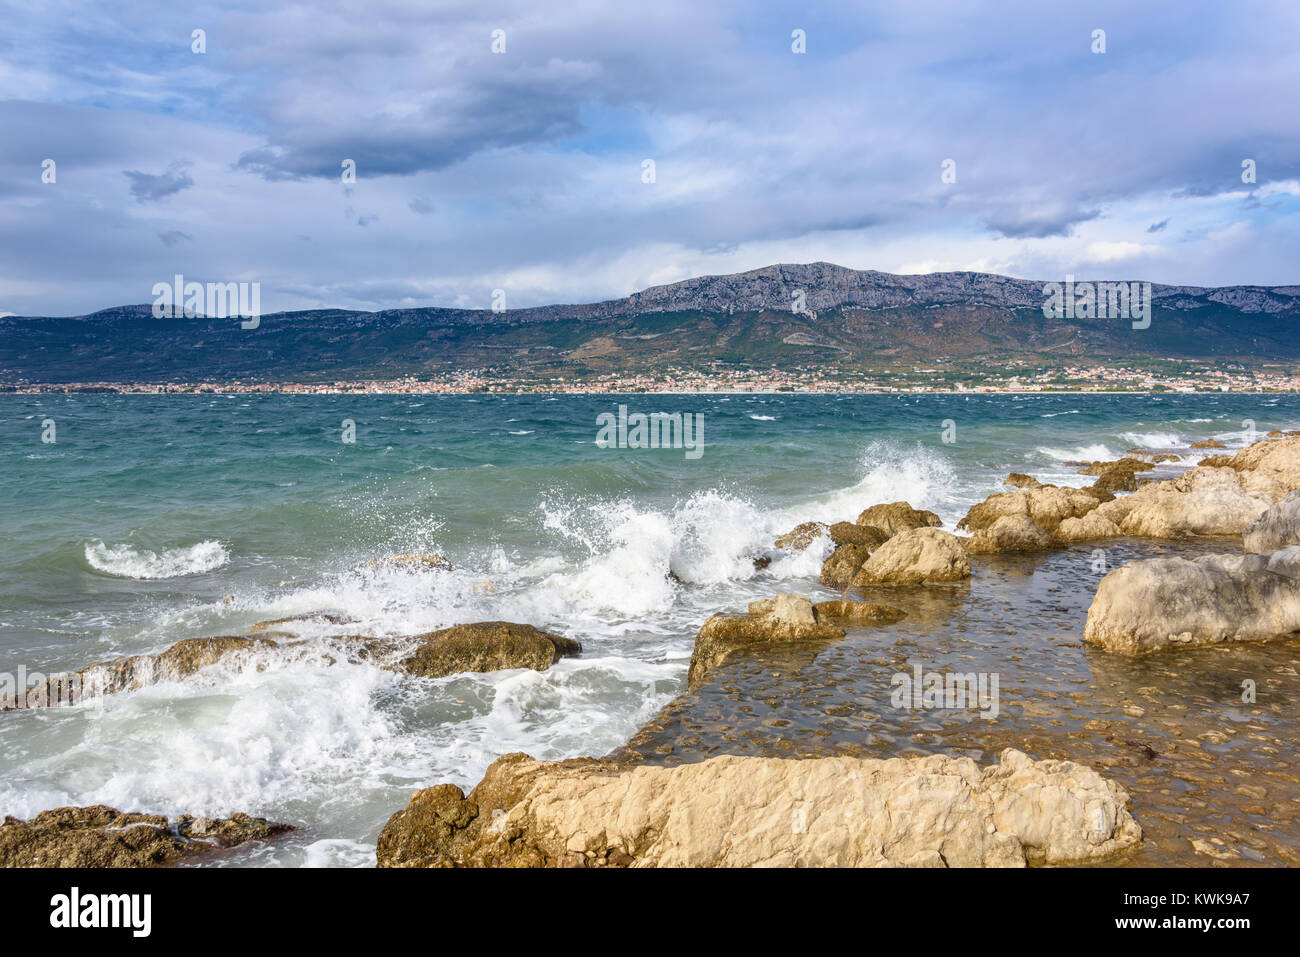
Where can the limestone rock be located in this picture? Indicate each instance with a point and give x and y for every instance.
(1202, 501)
(1277, 528)
(1208, 444)
(734, 811)
(1157, 603)
(896, 517)
(1010, 533)
(915, 556)
(1047, 506)
(1021, 480)
(1269, 466)
(1090, 526)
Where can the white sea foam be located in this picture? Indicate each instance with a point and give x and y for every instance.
(125, 561)
(1097, 452)
(762, 418)
(918, 475)
(1155, 440)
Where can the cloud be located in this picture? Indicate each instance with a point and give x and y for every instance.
(1157, 227)
(151, 187)
(478, 170)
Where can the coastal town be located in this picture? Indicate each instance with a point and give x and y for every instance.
(1015, 377)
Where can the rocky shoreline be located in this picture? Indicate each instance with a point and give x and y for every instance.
(677, 795)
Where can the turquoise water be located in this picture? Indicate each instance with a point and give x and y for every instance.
(156, 518)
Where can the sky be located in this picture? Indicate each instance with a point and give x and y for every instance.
(524, 168)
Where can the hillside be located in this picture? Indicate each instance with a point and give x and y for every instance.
(854, 320)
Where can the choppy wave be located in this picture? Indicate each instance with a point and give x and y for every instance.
(1155, 440)
(124, 561)
(1097, 452)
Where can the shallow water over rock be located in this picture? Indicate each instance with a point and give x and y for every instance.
(1214, 779)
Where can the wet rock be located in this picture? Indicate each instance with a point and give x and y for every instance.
(843, 564)
(1119, 478)
(895, 517)
(180, 661)
(101, 836)
(737, 811)
(858, 612)
(486, 646)
(477, 647)
(785, 617)
(1160, 603)
(1208, 444)
(1277, 528)
(801, 536)
(315, 618)
(1021, 480)
(848, 533)
(916, 556)
(1129, 463)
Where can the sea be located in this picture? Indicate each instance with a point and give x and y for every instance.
(129, 522)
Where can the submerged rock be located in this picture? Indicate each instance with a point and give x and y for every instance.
(786, 617)
(1276, 528)
(1158, 603)
(486, 646)
(916, 556)
(414, 560)
(733, 811)
(101, 836)
(278, 625)
(895, 517)
(478, 647)
(179, 661)
(858, 612)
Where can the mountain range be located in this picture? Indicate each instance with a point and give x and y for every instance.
(849, 321)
